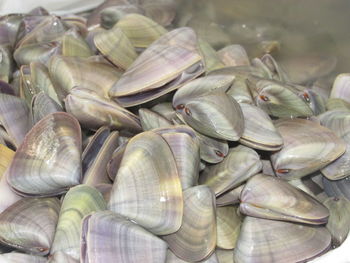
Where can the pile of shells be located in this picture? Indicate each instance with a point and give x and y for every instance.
(126, 139)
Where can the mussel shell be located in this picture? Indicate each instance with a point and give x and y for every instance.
(48, 161)
(230, 197)
(264, 240)
(234, 55)
(268, 197)
(109, 237)
(152, 120)
(19, 226)
(43, 105)
(228, 224)
(15, 257)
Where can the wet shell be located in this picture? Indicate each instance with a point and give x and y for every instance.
(277, 241)
(148, 188)
(341, 87)
(268, 197)
(108, 237)
(198, 224)
(240, 164)
(152, 120)
(228, 224)
(48, 161)
(307, 148)
(234, 55)
(19, 226)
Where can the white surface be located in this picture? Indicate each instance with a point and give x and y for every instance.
(58, 7)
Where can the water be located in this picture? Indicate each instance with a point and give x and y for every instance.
(294, 28)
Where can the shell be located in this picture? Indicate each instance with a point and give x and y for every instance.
(228, 224)
(19, 226)
(168, 63)
(111, 15)
(338, 188)
(339, 122)
(15, 257)
(279, 99)
(69, 72)
(340, 89)
(116, 47)
(338, 222)
(307, 148)
(43, 105)
(15, 117)
(172, 258)
(148, 188)
(240, 164)
(6, 157)
(234, 55)
(277, 241)
(152, 120)
(6, 63)
(94, 111)
(259, 131)
(198, 224)
(97, 173)
(211, 59)
(109, 237)
(185, 148)
(230, 197)
(48, 162)
(268, 197)
(77, 203)
(142, 31)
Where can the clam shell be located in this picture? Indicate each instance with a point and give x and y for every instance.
(340, 89)
(338, 222)
(19, 226)
(36, 52)
(268, 197)
(210, 57)
(93, 147)
(215, 114)
(94, 111)
(339, 122)
(307, 148)
(337, 188)
(234, 55)
(202, 86)
(279, 99)
(40, 79)
(185, 148)
(212, 150)
(97, 173)
(316, 102)
(152, 120)
(15, 117)
(59, 257)
(15, 257)
(259, 131)
(77, 203)
(224, 255)
(69, 72)
(114, 163)
(168, 63)
(276, 70)
(163, 12)
(240, 164)
(172, 258)
(48, 161)
(165, 109)
(116, 47)
(111, 15)
(74, 45)
(228, 224)
(109, 237)
(337, 104)
(198, 224)
(148, 188)
(277, 241)
(142, 31)
(43, 105)
(230, 197)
